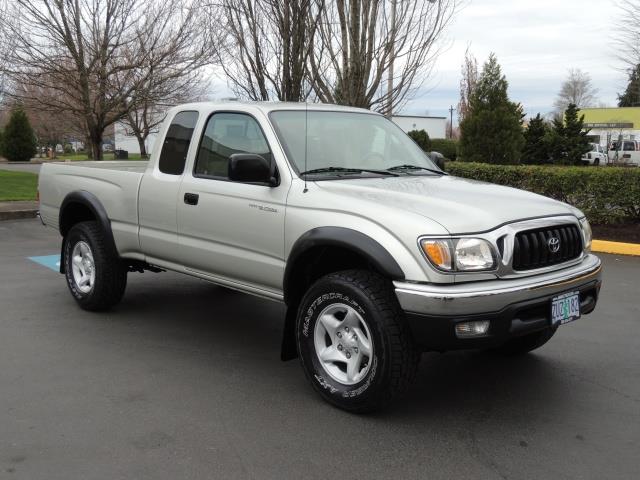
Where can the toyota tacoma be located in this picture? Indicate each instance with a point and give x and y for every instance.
(377, 253)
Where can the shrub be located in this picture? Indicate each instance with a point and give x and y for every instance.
(421, 137)
(19, 143)
(605, 195)
(448, 148)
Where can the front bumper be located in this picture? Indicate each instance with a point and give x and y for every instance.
(514, 307)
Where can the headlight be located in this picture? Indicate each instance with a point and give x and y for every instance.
(461, 255)
(587, 234)
(473, 254)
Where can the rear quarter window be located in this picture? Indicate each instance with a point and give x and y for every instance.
(176, 143)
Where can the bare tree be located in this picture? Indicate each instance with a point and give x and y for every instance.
(268, 44)
(467, 83)
(150, 112)
(50, 128)
(627, 39)
(98, 58)
(577, 89)
(361, 43)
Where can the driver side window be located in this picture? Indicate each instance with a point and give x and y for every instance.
(224, 135)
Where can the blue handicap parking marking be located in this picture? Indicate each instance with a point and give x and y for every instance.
(49, 261)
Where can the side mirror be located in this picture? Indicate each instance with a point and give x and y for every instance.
(252, 168)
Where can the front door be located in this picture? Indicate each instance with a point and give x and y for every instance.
(227, 230)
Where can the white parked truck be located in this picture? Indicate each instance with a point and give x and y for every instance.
(377, 253)
(596, 156)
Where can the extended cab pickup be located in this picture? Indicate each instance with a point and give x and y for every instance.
(377, 253)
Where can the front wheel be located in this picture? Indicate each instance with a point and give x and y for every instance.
(354, 343)
(95, 275)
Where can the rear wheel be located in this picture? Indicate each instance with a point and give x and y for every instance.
(596, 162)
(95, 275)
(527, 343)
(354, 344)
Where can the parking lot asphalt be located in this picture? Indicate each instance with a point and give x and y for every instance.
(183, 380)
(21, 167)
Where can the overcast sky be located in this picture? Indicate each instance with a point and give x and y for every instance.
(536, 42)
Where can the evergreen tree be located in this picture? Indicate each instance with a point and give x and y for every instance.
(19, 143)
(568, 139)
(556, 141)
(536, 146)
(492, 129)
(631, 96)
(421, 137)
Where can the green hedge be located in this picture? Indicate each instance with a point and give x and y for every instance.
(604, 194)
(448, 148)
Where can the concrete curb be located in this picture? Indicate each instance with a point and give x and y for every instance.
(620, 248)
(18, 214)
(13, 210)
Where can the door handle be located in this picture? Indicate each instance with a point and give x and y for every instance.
(191, 198)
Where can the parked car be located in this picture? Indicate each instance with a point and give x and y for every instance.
(625, 152)
(377, 254)
(438, 159)
(597, 155)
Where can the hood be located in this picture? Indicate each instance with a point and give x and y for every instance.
(458, 204)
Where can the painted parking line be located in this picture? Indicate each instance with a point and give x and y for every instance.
(49, 261)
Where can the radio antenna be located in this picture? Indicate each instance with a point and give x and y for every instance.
(306, 117)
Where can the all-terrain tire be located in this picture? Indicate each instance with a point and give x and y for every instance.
(527, 343)
(110, 274)
(392, 365)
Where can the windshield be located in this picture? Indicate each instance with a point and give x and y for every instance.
(347, 141)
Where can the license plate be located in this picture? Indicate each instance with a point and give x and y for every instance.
(565, 308)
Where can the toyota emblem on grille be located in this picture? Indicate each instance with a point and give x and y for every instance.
(554, 244)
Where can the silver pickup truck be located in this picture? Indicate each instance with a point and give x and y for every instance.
(377, 253)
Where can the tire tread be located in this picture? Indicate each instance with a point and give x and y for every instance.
(111, 273)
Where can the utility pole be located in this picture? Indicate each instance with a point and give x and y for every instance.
(451, 109)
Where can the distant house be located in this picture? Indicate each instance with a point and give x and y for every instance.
(125, 140)
(436, 127)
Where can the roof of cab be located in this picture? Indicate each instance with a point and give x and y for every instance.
(267, 107)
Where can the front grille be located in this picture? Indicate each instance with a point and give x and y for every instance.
(531, 248)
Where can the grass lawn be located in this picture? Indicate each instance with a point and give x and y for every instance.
(18, 185)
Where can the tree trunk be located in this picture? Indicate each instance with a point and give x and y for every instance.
(96, 143)
(141, 144)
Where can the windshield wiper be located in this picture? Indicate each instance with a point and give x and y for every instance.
(399, 168)
(346, 170)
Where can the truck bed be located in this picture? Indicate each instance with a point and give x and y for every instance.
(114, 183)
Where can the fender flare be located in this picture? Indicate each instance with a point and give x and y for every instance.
(347, 238)
(358, 242)
(89, 200)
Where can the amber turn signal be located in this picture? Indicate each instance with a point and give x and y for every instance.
(438, 252)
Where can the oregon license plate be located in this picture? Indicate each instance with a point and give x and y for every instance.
(565, 308)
